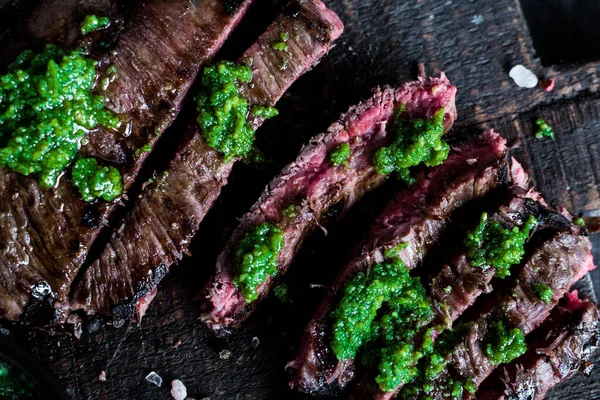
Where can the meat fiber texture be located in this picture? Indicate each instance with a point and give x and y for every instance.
(557, 262)
(466, 281)
(314, 185)
(46, 233)
(559, 349)
(416, 216)
(158, 230)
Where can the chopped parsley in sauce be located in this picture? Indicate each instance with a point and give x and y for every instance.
(544, 292)
(544, 130)
(223, 111)
(504, 344)
(256, 258)
(382, 313)
(47, 106)
(94, 181)
(92, 23)
(490, 245)
(415, 141)
(340, 155)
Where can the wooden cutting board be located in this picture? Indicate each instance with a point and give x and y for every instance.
(475, 43)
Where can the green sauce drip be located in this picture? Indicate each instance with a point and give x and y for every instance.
(46, 108)
(282, 45)
(92, 23)
(94, 181)
(340, 155)
(383, 309)
(256, 258)
(14, 384)
(491, 245)
(504, 344)
(281, 291)
(544, 292)
(580, 222)
(223, 111)
(544, 130)
(416, 141)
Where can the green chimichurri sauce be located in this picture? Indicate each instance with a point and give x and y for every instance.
(416, 141)
(256, 258)
(340, 155)
(544, 130)
(490, 245)
(46, 109)
(92, 23)
(504, 344)
(223, 111)
(383, 309)
(544, 292)
(94, 181)
(579, 222)
(14, 385)
(282, 44)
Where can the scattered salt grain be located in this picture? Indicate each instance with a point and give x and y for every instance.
(154, 378)
(523, 77)
(255, 342)
(471, 161)
(102, 376)
(224, 354)
(178, 390)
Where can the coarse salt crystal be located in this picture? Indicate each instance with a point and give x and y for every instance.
(178, 390)
(224, 354)
(523, 77)
(154, 379)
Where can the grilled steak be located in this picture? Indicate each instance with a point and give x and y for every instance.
(46, 234)
(561, 348)
(415, 216)
(312, 184)
(459, 283)
(557, 263)
(167, 215)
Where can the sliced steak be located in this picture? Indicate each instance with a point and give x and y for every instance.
(313, 185)
(165, 218)
(46, 233)
(558, 262)
(416, 216)
(562, 347)
(459, 283)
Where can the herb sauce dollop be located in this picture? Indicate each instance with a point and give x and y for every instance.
(415, 141)
(47, 106)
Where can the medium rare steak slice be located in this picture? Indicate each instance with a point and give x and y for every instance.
(459, 283)
(562, 347)
(475, 349)
(46, 233)
(416, 216)
(156, 233)
(306, 189)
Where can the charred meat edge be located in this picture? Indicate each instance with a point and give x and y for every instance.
(314, 185)
(467, 281)
(416, 216)
(156, 233)
(47, 232)
(562, 347)
(557, 262)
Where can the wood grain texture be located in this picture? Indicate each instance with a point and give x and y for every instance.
(475, 43)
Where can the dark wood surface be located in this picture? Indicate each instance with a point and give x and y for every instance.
(475, 42)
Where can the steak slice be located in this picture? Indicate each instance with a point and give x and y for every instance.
(561, 348)
(459, 283)
(313, 185)
(46, 233)
(156, 233)
(558, 262)
(416, 216)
